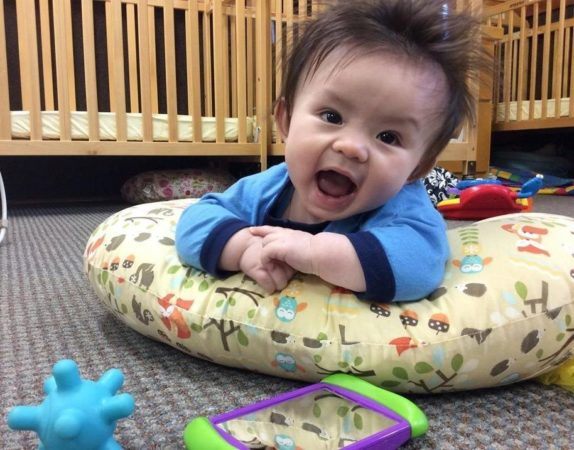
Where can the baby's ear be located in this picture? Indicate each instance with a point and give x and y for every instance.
(282, 118)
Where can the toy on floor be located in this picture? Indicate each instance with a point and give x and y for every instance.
(483, 198)
(76, 414)
(342, 409)
(562, 375)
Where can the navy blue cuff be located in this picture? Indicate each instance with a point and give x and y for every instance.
(377, 270)
(214, 244)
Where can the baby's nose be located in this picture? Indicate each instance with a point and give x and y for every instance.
(352, 147)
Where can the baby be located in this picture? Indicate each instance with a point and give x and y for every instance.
(373, 91)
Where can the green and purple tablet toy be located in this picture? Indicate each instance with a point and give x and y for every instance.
(342, 411)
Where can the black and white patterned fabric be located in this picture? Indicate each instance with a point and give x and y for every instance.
(437, 183)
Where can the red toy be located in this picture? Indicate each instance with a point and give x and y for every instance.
(481, 201)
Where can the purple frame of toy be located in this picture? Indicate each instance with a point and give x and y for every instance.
(389, 438)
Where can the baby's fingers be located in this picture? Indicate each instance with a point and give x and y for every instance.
(264, 279)
(280, 273)
(273, 251)
(263, 230)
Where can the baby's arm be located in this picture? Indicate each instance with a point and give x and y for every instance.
(205, 227)
(330, 256)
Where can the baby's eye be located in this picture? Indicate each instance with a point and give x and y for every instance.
(388, 137)
(331, 117)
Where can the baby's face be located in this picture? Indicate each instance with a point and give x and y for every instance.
(357, 132)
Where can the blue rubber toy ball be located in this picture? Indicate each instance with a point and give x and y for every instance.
(76, 414)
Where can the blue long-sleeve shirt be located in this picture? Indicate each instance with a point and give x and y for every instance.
(402, 245)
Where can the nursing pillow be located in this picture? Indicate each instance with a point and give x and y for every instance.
(502, 314)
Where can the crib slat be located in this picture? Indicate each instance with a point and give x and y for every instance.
(526, 58)
(315, 7)
(219, 71)
(546, 60)
(263, 52)
(232, 20)
(250, 66)
(558, 58)
(554, 53)
(29, 67)
(90, 69)
(301, 16)
(508, 68)
(193, 73)
(23, 52)
(145, 75)
(110, 51)
(170, 68)
(47, 66)
(498, 64)
(281, 33)
(278, 47)
(269, 70)
(207, 65)
(533, 63)
(5, 118)
(521, 65)
(152, 60)
(288, 11)
(132, 58)
(70, 55)
(117, 64)
(302, 10)
(564, 90)
(61, 47)
(225, 59)
(514, 65)
(241, 70)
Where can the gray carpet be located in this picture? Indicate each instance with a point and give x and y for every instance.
(48, 312)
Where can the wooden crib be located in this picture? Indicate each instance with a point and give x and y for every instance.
(130, 77)
(534, 86)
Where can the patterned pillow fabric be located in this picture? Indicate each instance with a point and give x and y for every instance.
(502, 314)
(438, 182)
(161, 185)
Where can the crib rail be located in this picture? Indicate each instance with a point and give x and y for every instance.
(126, 58)
(534, 85)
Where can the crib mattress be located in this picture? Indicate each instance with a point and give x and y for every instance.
(550, 113)
(107, 122)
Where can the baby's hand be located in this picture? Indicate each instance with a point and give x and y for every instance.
(291, 247)
(270, 275)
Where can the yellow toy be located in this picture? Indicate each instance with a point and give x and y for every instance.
(562, 376)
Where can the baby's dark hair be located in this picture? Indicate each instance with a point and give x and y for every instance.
(425, 31)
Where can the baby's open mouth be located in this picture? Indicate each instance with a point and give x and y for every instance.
(334, 183)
